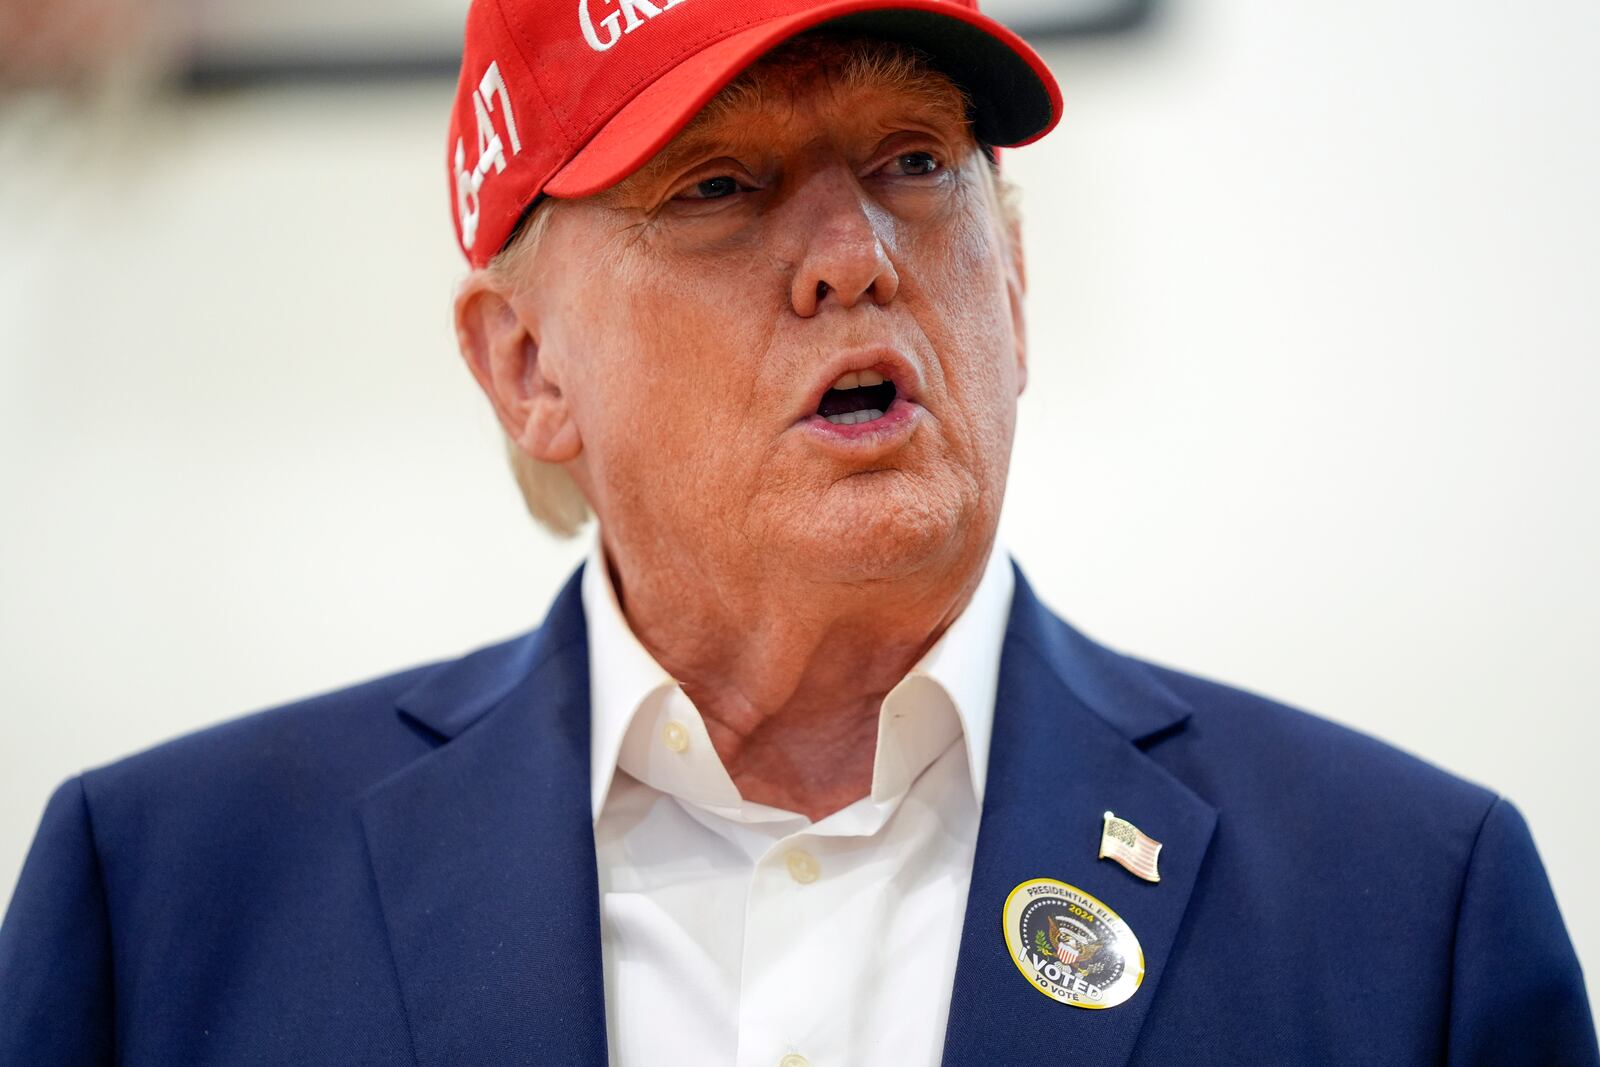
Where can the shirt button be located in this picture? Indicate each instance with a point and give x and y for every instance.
(803, 869)
(676, 736)
(794, 1060)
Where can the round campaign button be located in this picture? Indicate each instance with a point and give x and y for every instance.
(1071, 947)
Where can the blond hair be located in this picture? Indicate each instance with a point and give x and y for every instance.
(548, 490)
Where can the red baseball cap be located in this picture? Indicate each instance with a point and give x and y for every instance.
(566, 98)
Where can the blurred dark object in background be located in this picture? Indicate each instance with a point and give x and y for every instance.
(241, 43)
(83, 45)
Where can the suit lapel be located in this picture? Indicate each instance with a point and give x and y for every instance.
(483, 853)
(1070, 718)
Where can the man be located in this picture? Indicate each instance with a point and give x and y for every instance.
(797, 770)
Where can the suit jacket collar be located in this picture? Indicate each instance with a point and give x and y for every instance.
(1122, 691)
(483, 850)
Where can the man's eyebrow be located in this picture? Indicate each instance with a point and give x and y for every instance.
(688, 146)
(713, 138)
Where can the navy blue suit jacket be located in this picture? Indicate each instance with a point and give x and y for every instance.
(404, 872)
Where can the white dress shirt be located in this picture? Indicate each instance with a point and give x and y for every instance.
(734, 933)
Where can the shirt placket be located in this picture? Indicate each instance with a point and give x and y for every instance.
(794, 1000)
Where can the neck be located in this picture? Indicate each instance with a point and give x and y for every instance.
(788, 671)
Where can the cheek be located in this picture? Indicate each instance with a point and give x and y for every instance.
(972, 311)
(670, 381)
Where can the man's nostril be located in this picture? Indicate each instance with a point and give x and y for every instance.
(822, 291)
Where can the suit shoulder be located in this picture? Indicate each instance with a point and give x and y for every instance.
(344, 739)
(1287, 752)
(1238, 749)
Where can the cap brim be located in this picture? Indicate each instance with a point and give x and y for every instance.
(1015, 98)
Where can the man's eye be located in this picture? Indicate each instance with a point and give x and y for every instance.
(710, 189)
(914, 163)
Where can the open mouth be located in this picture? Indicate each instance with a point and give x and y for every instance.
(857, 397)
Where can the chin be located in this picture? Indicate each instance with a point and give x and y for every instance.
(884, 525)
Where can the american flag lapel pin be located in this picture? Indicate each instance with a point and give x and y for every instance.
(1125, 843)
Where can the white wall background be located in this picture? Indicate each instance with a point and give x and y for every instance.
(1316, 345)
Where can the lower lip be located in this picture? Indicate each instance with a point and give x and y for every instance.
(888, 430)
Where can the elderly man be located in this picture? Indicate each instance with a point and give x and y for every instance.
(797, 770)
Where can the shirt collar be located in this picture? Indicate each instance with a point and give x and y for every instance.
(622, 674)
(965, 664)
(949, 693)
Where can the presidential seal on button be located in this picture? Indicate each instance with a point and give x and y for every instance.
(1071, 947)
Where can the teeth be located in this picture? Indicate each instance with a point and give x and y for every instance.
(851, 418)
(858, 380)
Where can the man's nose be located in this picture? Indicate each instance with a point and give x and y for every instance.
(845, 256)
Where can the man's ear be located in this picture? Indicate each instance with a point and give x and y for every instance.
(1016, 292)
(500, 344)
